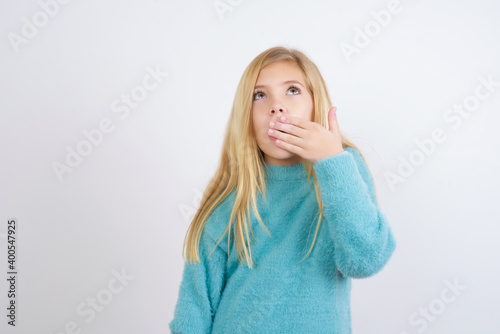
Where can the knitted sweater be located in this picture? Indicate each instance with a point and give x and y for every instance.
(279, 295)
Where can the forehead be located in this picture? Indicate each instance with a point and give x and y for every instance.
(280, 71)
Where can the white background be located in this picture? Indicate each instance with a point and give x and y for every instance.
(127, 204)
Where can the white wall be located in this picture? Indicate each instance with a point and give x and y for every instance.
(127, 204)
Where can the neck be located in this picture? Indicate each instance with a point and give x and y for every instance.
(296, 171)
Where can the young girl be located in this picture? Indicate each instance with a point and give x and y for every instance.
(285, 165)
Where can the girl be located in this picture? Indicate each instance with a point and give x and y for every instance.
(285, 165)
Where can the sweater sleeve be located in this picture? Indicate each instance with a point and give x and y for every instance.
(362, 238)
(200, 290)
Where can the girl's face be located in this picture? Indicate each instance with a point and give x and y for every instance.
(280, 90)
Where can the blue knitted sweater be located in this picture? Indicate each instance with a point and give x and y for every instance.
(279, 295)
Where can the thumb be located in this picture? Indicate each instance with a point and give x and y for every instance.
(332, 120)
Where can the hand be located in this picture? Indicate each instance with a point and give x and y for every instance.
(307, 139)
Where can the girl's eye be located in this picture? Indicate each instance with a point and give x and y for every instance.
(255, 96)
(294, 88)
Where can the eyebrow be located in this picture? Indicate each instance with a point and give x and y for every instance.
(284, 83)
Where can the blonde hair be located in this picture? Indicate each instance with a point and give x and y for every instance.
(241, 163)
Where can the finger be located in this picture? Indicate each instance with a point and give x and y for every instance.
(285, 137)
(290, 147)
(289, 128)
(333, 125)
(299, 122)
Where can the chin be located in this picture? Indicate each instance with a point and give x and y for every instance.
(275, 152)
(280, 154)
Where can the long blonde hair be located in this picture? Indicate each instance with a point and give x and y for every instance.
(241, 163)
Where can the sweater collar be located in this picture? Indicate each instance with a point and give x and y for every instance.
(283, 173)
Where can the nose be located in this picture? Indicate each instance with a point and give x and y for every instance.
(276, 109)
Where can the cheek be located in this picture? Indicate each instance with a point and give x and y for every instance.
(258, 123)
(259, 119)
(309, 107)
(305, 110)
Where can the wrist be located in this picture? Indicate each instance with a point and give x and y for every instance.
(342, 151)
